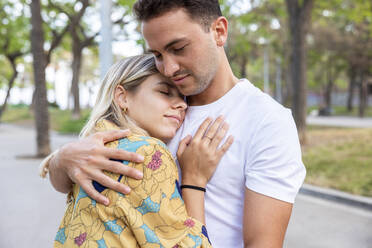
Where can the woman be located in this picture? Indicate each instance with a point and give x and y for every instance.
(135, 96)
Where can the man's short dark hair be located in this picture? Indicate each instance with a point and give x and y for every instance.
(202, 11)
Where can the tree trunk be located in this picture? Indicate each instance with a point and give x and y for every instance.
(329, 86)
(76, 65)
(299, 21)
(363, 93)
(278, 80)
(39, 65)
(243, 66)
(10, 86)
(286, 77)
(350, 97)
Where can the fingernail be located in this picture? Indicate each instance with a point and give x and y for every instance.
(140, 158)
(106, 202)
(139, 174)
(126, 189)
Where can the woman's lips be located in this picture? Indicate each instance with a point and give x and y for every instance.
(174, 117)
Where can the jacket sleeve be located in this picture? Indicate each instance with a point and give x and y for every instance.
(154, 210)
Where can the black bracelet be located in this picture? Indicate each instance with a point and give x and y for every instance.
(185, 186)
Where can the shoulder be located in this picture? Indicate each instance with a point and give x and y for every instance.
(260, 106)
(266, 108)
(158, 167)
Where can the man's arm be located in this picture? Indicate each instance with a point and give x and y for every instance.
(84, 160)
(265, 220)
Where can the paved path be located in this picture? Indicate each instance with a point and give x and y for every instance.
(339, 121)
(31, 210)
(318, 223)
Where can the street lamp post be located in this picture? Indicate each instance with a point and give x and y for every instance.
(105, 45)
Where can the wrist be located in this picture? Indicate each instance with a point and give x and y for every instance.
(53, 162)
(193, 187)
(195, 181)
(45, 165)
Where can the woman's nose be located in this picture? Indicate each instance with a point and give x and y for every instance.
(180, 104)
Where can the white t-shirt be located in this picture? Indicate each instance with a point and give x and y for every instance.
(265, 157)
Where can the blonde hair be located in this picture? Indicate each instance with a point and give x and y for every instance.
(129, 73)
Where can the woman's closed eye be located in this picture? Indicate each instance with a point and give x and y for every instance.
(165, 92)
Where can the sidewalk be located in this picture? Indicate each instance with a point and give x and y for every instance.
(339, 121)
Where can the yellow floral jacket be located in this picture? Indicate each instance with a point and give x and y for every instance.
(151, 215)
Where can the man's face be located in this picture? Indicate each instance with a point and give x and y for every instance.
(184, 51)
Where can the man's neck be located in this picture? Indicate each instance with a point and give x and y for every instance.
(222, 83)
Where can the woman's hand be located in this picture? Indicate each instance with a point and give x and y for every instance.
(199, 156)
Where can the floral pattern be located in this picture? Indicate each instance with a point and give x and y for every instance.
(152, 215)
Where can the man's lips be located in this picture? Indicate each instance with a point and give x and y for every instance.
(179, 78)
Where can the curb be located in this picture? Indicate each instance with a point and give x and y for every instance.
(337, 196)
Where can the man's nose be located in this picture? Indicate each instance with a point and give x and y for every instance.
(170, 67)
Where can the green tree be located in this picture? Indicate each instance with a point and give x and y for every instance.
(14, 31)
(39, 64)
(342, 33)
(299, 18)
(79, 15)
(43, 35)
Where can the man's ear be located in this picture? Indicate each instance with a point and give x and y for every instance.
(120, 97)
(220, 30)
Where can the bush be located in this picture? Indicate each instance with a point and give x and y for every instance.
(63, 122)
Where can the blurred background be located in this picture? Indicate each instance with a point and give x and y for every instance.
(312, 56)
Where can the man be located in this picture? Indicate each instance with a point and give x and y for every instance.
(249, 198)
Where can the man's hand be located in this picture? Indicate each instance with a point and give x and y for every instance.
(83, 161)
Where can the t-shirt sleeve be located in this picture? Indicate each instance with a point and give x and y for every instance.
(274, 167)
(154, 210)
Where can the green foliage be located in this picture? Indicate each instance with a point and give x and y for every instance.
(342, 111)
(63, 122)
(60, 120)
(341, 36)
(14, 37)
(16, 113)
(14, 27)
(5, 72)
(125, 3)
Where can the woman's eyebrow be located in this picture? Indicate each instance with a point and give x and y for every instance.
(166, 84)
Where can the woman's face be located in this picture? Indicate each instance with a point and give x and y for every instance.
(157, 107)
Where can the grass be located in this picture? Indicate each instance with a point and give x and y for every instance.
(60, 120)
(342, 111)
(339, 158)
(338, 110)
(16, 113)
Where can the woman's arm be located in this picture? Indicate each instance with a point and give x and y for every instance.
(198, 158)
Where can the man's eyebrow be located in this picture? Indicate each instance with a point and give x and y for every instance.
(168, 45)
